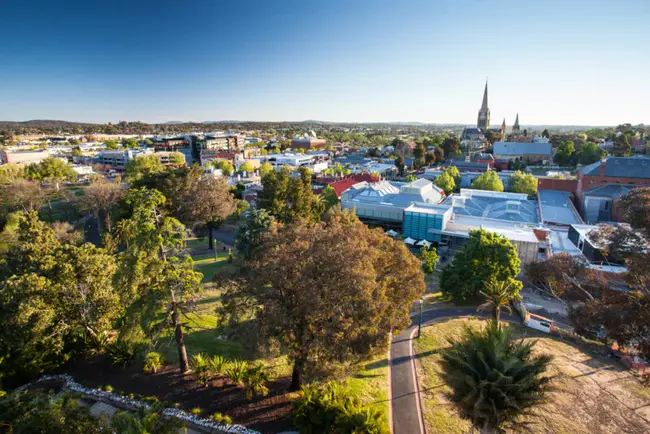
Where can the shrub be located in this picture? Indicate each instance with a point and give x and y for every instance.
(196, 411)
(236, 371)
(121, 352)
(201, 368)
(221, 418)
(494, 377)
(331, 407)
(255, 382)
(108, 388)
(217, 365)
(96, 342)
(153, 362)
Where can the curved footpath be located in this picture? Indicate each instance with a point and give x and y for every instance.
(406, 405)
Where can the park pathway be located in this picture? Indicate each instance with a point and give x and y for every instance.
(406, 404)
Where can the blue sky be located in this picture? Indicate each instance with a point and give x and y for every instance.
(555, 62)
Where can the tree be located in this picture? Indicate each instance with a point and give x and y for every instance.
(111, 145)
(565, 154)
(176, 158)
(199, 202)
(410, 178)
(265, 168)
(51, 294)
(154, 275)
(399, 163)
(491, 137)
(300, 294)
(489, 181)
(451, 145)
(429, 158)
(246, 167)
(495, 378)
(590, 153)
(439, 153)
(520, 182)
(497, 295)
(11, 172)
(621, 146)
(22, 195)
(329, 198)
(289, 198)
(446, 182)
(622, 316)
(401, 147)
(454, 173)
(419, 153)
(226, 168)
(545, 133)
(249, 235)
(52, 170)
(429, 258)
(130, 143)
(100, 198)
(142, 165)
(486, 256)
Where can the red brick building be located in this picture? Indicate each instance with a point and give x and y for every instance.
(547, 183)
(341, 184)
(601, 184)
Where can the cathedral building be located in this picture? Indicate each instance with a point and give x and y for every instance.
(476, 136)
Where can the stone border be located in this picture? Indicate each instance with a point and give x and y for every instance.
(134, 404)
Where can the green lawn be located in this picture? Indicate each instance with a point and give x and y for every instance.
(208, 265)
(608, 395)
(371, 383)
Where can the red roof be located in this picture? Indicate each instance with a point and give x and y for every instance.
(342, 184)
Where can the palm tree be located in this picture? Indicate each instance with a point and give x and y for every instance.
(495, 378)
(497, 295)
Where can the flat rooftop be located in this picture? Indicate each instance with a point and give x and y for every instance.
(556, 207)
(510, 207)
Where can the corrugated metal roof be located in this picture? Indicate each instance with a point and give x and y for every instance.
(521, 148)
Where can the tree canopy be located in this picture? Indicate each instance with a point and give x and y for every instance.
(142, 165)
(446, 182)
(486, 256)
(322, 311)
(521, 182)
(289, 198)
(489, 181)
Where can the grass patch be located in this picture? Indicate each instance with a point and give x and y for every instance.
(371, 384)
(208, 265)
(196, 243)
(593, 392)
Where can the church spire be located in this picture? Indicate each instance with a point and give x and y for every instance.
(484, 106)
(515, 127)
(483, 122)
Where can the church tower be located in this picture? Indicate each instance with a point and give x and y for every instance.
(483, 122)
(503, 130)
(515, 127)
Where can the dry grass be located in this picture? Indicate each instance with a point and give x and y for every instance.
(594, 394)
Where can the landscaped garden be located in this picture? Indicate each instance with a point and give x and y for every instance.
(590, 392)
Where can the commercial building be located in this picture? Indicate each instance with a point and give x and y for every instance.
(556, 208)
(169, 144)
(23, 157)
(317, 163)
(527, 152)
(449, 223)
(308, 142)
(385, 202)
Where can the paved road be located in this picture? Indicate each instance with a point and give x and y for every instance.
(405, 403)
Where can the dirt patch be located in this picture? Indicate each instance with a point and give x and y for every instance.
(267, 415)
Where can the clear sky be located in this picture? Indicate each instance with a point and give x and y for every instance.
(583, 62)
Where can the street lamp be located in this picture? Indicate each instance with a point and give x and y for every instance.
(420, 317)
